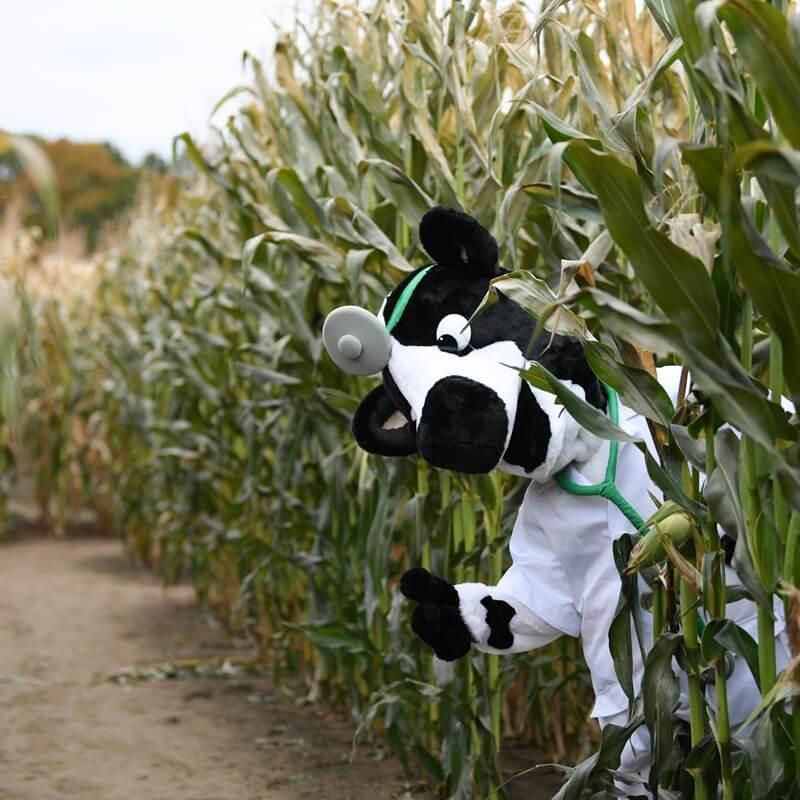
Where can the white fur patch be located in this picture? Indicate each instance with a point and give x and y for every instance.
(417, 368)
(472, 611)
(529, 631)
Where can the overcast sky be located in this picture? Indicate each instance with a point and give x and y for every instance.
(133, 72)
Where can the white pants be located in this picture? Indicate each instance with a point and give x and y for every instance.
(743, 697)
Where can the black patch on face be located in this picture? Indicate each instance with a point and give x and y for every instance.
(505, 321)
(498, 616)
(527, 447)
(441, 292)
(463, 426)
(508, 321)
(368, 421)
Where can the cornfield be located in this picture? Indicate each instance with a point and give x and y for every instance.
(638, 165)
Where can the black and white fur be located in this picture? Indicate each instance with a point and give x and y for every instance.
(462, 407)
(452, 393)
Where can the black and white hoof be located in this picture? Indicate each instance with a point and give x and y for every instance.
(452, 619)
(436, 620)
(442, 629)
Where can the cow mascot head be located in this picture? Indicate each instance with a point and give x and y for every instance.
(452, 390)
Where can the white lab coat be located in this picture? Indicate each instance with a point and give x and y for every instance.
(563, 579)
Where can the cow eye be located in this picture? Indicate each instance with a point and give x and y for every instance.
(453, 333)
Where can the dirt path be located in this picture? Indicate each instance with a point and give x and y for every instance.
(70, 610)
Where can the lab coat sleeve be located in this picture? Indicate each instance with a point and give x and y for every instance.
(530, 606)
(500, 623)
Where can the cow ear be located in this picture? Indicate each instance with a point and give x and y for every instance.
(454, 239)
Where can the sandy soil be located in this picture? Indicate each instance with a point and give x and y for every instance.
(72, 610)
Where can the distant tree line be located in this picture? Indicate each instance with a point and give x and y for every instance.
(95, 183)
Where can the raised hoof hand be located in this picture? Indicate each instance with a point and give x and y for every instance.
(436, 620)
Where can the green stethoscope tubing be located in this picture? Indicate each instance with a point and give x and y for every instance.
(607, 488)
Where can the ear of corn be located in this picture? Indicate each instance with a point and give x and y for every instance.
(671, 529)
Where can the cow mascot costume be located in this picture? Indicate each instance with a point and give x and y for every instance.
(452, 393)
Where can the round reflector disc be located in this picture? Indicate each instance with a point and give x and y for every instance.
(356, 340)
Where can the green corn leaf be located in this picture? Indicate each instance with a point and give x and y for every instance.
(775, 289)
(606, 758)
(734, 638)
(304, 202)
(574, 202)
(586, 414)
(766, 766)
(723, 495)
(536, 297)
(196, 157)
(637, 388)
(660, 694)
(761, 35)
(398, 187)
(677, 280)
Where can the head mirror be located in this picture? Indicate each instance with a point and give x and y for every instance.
(356, 340)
